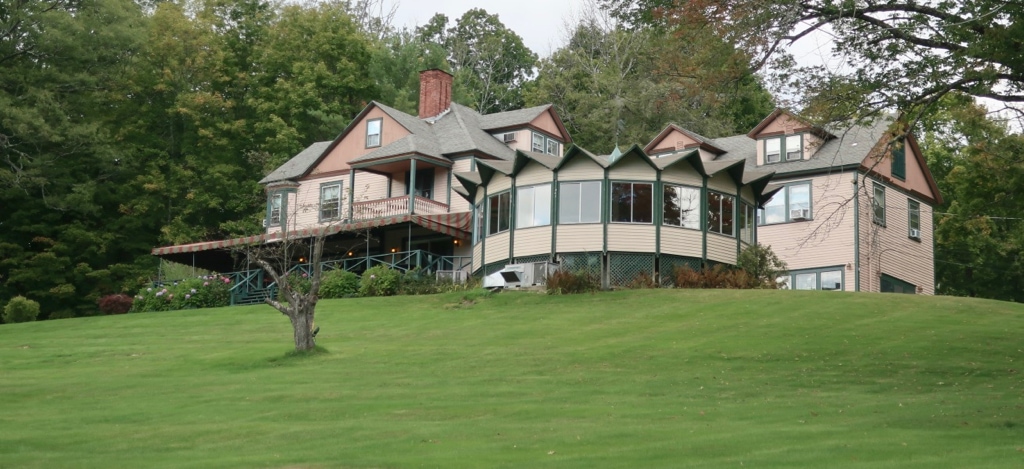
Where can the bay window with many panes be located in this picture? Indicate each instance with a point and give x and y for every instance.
(533, 206)
(579, 202)
(720, 213)
(632, 202)
(681, 206)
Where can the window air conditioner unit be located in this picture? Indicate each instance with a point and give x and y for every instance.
(916, 234)
(264, 223)
(508, 137)
(799, 214)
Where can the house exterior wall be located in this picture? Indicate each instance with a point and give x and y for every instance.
(533, 173)
(458, 202)
(354, 144)
(546, 123)
(888, 249)
(721, 248)
(881, 163)
(627, 237)
(499, 182)
(580, 238)
(532, 241)
(496, 248)
(681, 242)
(811, 144)
(682, 173)
(580, 168)
(675, 140)
(631, 168)
(722, 182)
(825, 240)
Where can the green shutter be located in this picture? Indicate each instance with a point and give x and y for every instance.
(899, 159)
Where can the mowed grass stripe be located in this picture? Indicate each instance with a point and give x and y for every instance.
(656, 378)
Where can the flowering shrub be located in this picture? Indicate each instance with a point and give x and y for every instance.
(380, 281)
(115, 304)
(209, 291)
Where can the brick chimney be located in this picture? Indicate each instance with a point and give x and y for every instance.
(435, 92)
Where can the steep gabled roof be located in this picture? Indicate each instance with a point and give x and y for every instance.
(298, 164)
(516, 118)
(702, 141)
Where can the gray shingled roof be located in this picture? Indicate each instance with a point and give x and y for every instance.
(848, 148)
(415, 143)
(298, 165)
(459, 131)
(549, 161)
(501, 120)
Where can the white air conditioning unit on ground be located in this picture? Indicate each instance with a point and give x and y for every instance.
(508, 137)
(520, 275)
(453, 276)
(916, 234)
(799, 214)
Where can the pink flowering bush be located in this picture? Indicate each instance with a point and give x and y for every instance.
(380, 281)
(202, 292)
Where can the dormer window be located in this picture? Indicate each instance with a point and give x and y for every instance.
(773, 147)
(543, 144)
(373, 128)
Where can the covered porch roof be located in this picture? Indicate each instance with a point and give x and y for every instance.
(218, 255)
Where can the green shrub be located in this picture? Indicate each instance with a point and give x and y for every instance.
(21, 309)
(563, 282)
(208, 291)
(380, 281)
(339, 284)
(763, 265)
(416, 282)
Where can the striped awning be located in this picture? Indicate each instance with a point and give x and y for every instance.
(456, 225)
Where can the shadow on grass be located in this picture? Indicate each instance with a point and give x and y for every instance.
(293, 357)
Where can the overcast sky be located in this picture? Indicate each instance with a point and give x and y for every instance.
(538, 22)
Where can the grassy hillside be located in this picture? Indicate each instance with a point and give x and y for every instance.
(656, 378)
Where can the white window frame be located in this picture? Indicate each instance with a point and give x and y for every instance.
(878, 203)
(787, 204)
(529, 213)
(327, 204)
(276, 205)
(587, 195)
(785, 151)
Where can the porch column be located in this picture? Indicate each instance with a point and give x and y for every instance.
(412, 186)
(351, 192)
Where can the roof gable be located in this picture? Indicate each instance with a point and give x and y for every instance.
(674, 137)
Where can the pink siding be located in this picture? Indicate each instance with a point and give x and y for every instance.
(888, 250)
(547, 123)
(533, 241)
(916, 179)
(675, 140)
(827, 239)
(811, 145)
(783, 124)
(354, 144)
(522, 141)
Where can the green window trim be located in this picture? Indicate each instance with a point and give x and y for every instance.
(899, 159)
(540, 143)
(330, 209)
(501, 221)
(785, 151)
(799, 279)
(374, 132)
(533, 204)
(639, 212)
(913, 219)
(681, 206)
(574, 214)
(275, 208)
(789, 205)
(890, 284)
(721, 212)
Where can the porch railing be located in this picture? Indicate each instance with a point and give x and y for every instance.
(395, 206)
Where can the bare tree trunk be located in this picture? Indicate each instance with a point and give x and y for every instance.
(302, 325)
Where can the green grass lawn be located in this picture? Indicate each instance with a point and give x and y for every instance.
(655, 378)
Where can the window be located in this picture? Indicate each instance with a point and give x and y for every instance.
(330, 201)
(830, 279)
(773, 148)
(914, 219)
(899, 159)
(499, 212)
(746, 223)
(533, 206)
(892, 284)
(878, 204)
(579, 202)
(792, 203)
(424, 183)
(543, 144)
(632, 202)
(275, 209)
(538, 142)
(373, 133)
(720, 213)
(478, 223)
(682, 206)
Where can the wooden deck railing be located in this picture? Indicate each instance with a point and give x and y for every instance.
(395, 206)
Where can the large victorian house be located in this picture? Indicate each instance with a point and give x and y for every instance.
(454, 190)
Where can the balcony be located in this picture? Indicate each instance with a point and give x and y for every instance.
(396, 206)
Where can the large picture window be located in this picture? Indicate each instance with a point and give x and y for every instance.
(330, 201)
(533, 206)
(682, 206)
(632, 202)
(276, 201)
(499, 210)
(373, 130)
(720, 213)
(792, 203)
(579, 202)
(830, 278)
